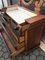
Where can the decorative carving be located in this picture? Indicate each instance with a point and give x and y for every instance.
(38, 5)
(26, 3)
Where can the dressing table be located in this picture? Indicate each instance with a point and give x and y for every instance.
(22, 29)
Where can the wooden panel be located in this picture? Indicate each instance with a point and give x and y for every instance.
(26, 47)
(33, 37)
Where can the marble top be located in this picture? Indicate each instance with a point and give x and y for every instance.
(20, 15)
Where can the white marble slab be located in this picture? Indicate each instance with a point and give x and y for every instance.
(20, 15)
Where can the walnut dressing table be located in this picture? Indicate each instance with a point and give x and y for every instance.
(24, 26)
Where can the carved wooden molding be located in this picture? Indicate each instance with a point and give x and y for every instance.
(39, 3)
(25, 3)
